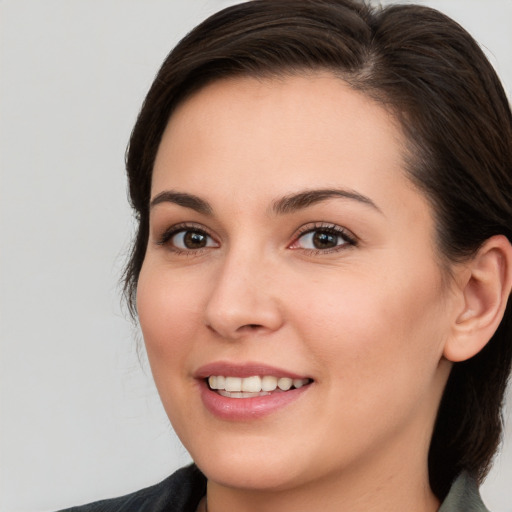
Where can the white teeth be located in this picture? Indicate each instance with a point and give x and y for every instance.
(245, 387)
(241, 394)
(252, 384)
(268, 383)
(284, 383)
(298, 383)
(217, 381)
(233, 384)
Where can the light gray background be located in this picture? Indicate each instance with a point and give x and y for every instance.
(79, 415)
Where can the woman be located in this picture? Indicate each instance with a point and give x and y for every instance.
(323, 260)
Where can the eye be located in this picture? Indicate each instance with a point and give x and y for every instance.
(192, 240)
(323, 238)
(187, 239)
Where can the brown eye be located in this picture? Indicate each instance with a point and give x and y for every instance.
(193, 240)
(319, 239)
(189, 240)
(324, 238)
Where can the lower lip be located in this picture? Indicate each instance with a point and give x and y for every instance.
(243, 409)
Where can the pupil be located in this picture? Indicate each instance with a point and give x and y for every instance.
(194, 240)
(322, 240)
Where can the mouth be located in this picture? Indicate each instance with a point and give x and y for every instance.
(249, 391)
(253, 386)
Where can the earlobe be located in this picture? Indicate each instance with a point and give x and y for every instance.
(486, 290)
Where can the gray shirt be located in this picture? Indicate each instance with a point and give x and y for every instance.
(183, 490)
(463, 496)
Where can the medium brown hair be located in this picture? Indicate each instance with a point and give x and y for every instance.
(433, 77)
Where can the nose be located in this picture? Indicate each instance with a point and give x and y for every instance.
(244, 299)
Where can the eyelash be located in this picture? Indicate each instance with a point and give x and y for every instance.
(168, 234)
(349, 240)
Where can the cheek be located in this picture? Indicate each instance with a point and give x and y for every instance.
(169, 313)
(378, 332)
(169, 310)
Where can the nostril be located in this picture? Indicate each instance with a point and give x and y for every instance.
(251, 327)
(240, 330)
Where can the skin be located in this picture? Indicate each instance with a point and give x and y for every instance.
(368, 321)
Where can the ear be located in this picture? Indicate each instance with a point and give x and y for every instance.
(485, 286)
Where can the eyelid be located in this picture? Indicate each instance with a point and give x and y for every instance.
(167, 234)
(347, 235)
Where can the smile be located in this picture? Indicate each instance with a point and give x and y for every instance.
(253, 386)
(249, 391)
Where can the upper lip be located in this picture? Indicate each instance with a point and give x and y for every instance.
(243, 370)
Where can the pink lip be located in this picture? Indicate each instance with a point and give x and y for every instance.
(243, 370)
(245, 409)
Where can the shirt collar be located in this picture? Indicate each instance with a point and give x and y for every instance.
(464, 496)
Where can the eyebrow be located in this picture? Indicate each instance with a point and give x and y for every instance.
(183, 199)
(301, 200)
(284, 205)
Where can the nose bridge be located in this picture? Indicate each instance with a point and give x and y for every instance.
(243, 298)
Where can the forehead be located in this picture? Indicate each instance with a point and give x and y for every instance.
(270, 134)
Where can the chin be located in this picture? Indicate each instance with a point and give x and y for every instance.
(258, 477)
(259, 467)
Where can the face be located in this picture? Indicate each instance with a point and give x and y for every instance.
(288, 248)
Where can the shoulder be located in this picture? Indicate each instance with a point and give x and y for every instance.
(180, 492)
